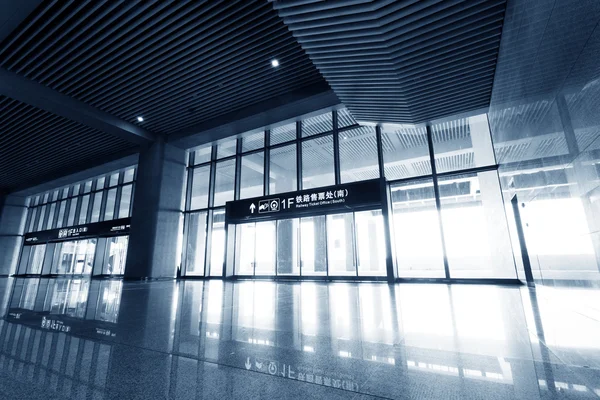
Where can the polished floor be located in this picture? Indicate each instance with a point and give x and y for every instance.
(107, 339)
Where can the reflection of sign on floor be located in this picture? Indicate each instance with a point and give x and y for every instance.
(301, 373)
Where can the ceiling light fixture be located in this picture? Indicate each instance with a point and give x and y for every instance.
(275, 62)
(140, 119)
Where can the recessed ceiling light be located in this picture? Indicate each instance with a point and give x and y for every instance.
(275, 62)
(140, 119)
(345, 137)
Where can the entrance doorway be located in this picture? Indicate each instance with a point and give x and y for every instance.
(335, 245)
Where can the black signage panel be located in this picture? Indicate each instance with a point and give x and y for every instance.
(104, 228)
(323, 200)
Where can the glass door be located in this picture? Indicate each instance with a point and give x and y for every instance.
(116, 255)
(313, 246)
(255, 249)
(264, 252)
(341, 253)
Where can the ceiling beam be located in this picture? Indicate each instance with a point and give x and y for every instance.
(289, 106)
(24, 90)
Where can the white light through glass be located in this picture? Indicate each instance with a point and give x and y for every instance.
(275, 63)
(140, 119)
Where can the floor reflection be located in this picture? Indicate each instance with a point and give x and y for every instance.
(80, 338)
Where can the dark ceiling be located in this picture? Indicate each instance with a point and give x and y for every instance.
(402, 61)
(74, 75)
(35, 143)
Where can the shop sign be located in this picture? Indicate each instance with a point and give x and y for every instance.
(339, 198)
(81, 231)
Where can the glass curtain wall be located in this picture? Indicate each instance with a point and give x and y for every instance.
(100, 199)
(103, 198)
(438, 173)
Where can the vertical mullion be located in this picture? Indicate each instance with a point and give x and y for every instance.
(190, 187)
(213, 173)
(298, 155)
(78, 205)
(186, 223)
(380, 159)
(436, 191)
(238, 170)
(118, 195)
(336, 150)
(267, 164)
(208, 246)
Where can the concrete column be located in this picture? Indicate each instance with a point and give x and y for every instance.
(157, 206)
(13, 212)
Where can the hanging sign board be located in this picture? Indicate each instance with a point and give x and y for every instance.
(104, 228)
(324, 200)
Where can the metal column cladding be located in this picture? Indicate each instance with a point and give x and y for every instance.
(356, 196)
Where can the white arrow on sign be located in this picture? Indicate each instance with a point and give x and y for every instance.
(248, 364)
(252, 208)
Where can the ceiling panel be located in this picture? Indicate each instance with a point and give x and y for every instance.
(37, 145)
(176, 64)
(402, 61)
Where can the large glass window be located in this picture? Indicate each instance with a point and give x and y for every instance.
(358, 154)
(287, 247)
(405, 151)
(36, 259)
(202, 155)
(196, 243)
(200, 179)
(96, 207)
(340, 244)
(72, 209)
(128, 175)
(51, 216)
(475, 228)
(61, 214)
(116, 255)
(40, 225)
(462, 143)
(313, 242)
(227, 148)
(111, 197)
(416, 230)
(74, 258)
(284, 133)
(370, 243)
(282, 170)
(252, 178)
(317, 124)
(253, 142)
(85, 202)
(217, 250)
(224, 182)
(317, 162)
(125, 205)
